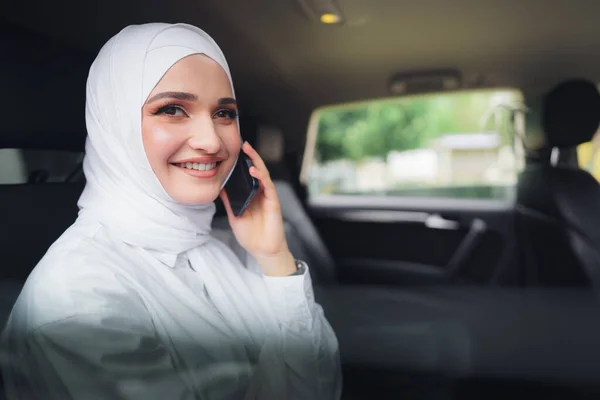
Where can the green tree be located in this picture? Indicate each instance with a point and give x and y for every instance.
(376, 128)
(370, 131)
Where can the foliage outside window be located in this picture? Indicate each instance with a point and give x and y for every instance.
(589, 160)
(453, 145)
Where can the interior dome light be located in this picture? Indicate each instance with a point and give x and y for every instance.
(330, 18)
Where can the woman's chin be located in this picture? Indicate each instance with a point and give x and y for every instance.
(194, 196)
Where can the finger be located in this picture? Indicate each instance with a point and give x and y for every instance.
(263, 178)
(265, 182)
(263, 172)
(256, 159)
(227, 204)
(260, 177)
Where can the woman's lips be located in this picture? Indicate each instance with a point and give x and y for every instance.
(199, 173)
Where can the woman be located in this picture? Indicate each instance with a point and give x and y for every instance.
(136, 300)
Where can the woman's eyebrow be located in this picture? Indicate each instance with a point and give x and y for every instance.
(173, 95)
(227, 100)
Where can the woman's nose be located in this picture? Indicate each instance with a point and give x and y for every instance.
(205, 137)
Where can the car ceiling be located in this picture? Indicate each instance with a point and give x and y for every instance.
(284, 64)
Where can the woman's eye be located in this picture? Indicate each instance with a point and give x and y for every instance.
(172, 111)
(228, 114)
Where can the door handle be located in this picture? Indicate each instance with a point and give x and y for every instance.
(466, 248)
(436, 221)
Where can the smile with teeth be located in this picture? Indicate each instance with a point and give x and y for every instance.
(198, 166)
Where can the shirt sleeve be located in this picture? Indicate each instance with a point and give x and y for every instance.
(310, 346)
(94, 356)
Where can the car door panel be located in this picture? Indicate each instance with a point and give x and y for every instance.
(414, 241)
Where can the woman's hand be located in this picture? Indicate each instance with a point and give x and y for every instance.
(260, 230)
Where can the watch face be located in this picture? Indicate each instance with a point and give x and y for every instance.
(300, 267)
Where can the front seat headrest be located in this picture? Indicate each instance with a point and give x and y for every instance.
(571, 113)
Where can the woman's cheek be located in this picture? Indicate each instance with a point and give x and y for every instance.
(164, 143)
(234, 141)
(161, 136)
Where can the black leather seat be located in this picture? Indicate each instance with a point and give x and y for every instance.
(303, 237)
(32, 217)
(558, 204)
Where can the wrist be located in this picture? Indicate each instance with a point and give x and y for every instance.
(280, 264)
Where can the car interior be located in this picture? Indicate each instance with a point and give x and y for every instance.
(430, 296)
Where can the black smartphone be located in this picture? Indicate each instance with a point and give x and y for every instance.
(241, 186)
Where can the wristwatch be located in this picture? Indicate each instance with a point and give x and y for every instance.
(300, 267)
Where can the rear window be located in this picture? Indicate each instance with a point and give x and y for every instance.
(587, 155)
(21, 166)
(449, 145)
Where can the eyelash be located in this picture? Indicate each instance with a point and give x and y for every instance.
(229, 114)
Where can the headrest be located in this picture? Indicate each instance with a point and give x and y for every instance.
(571, 113)
(270, 143)
(249, 129)
(43, 91)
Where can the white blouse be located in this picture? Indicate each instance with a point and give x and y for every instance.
(97, 321)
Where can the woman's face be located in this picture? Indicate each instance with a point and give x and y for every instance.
(189, 130)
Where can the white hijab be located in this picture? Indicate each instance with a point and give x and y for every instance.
(121, 188)
(123, 193)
